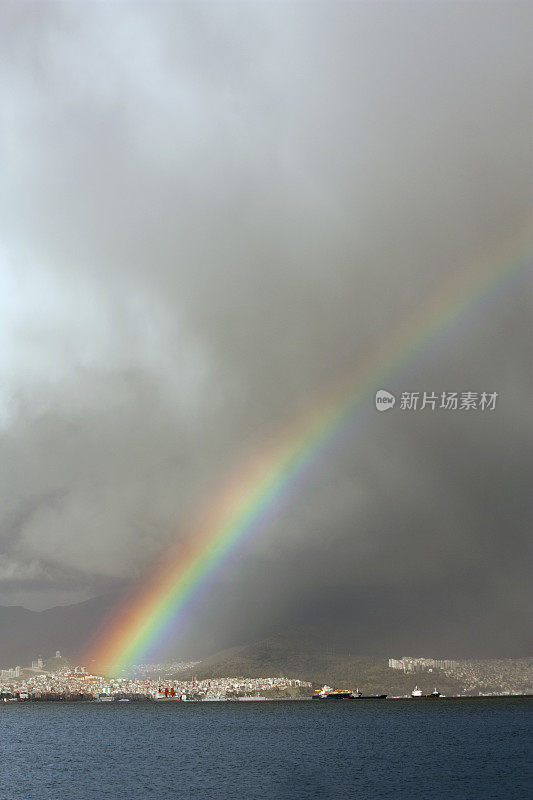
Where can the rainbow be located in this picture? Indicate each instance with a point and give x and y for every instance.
(142, 625)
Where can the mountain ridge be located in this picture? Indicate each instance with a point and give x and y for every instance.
(306, 658)
(332, 651)
(27, 634)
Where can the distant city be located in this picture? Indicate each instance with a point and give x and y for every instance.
(502, 676)
(57, 679)
(61, 681)
(410, 664)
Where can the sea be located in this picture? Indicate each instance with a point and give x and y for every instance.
(462, 749)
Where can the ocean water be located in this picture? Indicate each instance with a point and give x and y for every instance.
(461, 749)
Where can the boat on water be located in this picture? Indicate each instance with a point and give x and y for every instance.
(418, 693)
(169, 695)
(105, 698)
(327, 693)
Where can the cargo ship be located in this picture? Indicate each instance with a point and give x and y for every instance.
(327, 693)
(418, 693)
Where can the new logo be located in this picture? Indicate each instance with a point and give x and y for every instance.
(384, 400)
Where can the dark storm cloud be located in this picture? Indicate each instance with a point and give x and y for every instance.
(209, 211)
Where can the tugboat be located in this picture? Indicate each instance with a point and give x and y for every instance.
(167, 694)
(327, 693)
(418, 693)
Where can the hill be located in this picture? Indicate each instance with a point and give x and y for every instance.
(317, 654)
(26, 634)
(305, 658)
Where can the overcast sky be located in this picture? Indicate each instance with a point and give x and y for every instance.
(208, 211)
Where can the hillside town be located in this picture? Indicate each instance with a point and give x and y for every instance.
(56, 679)
(40, 682)
(494, 676)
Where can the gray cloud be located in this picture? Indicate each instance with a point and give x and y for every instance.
(208, 214)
